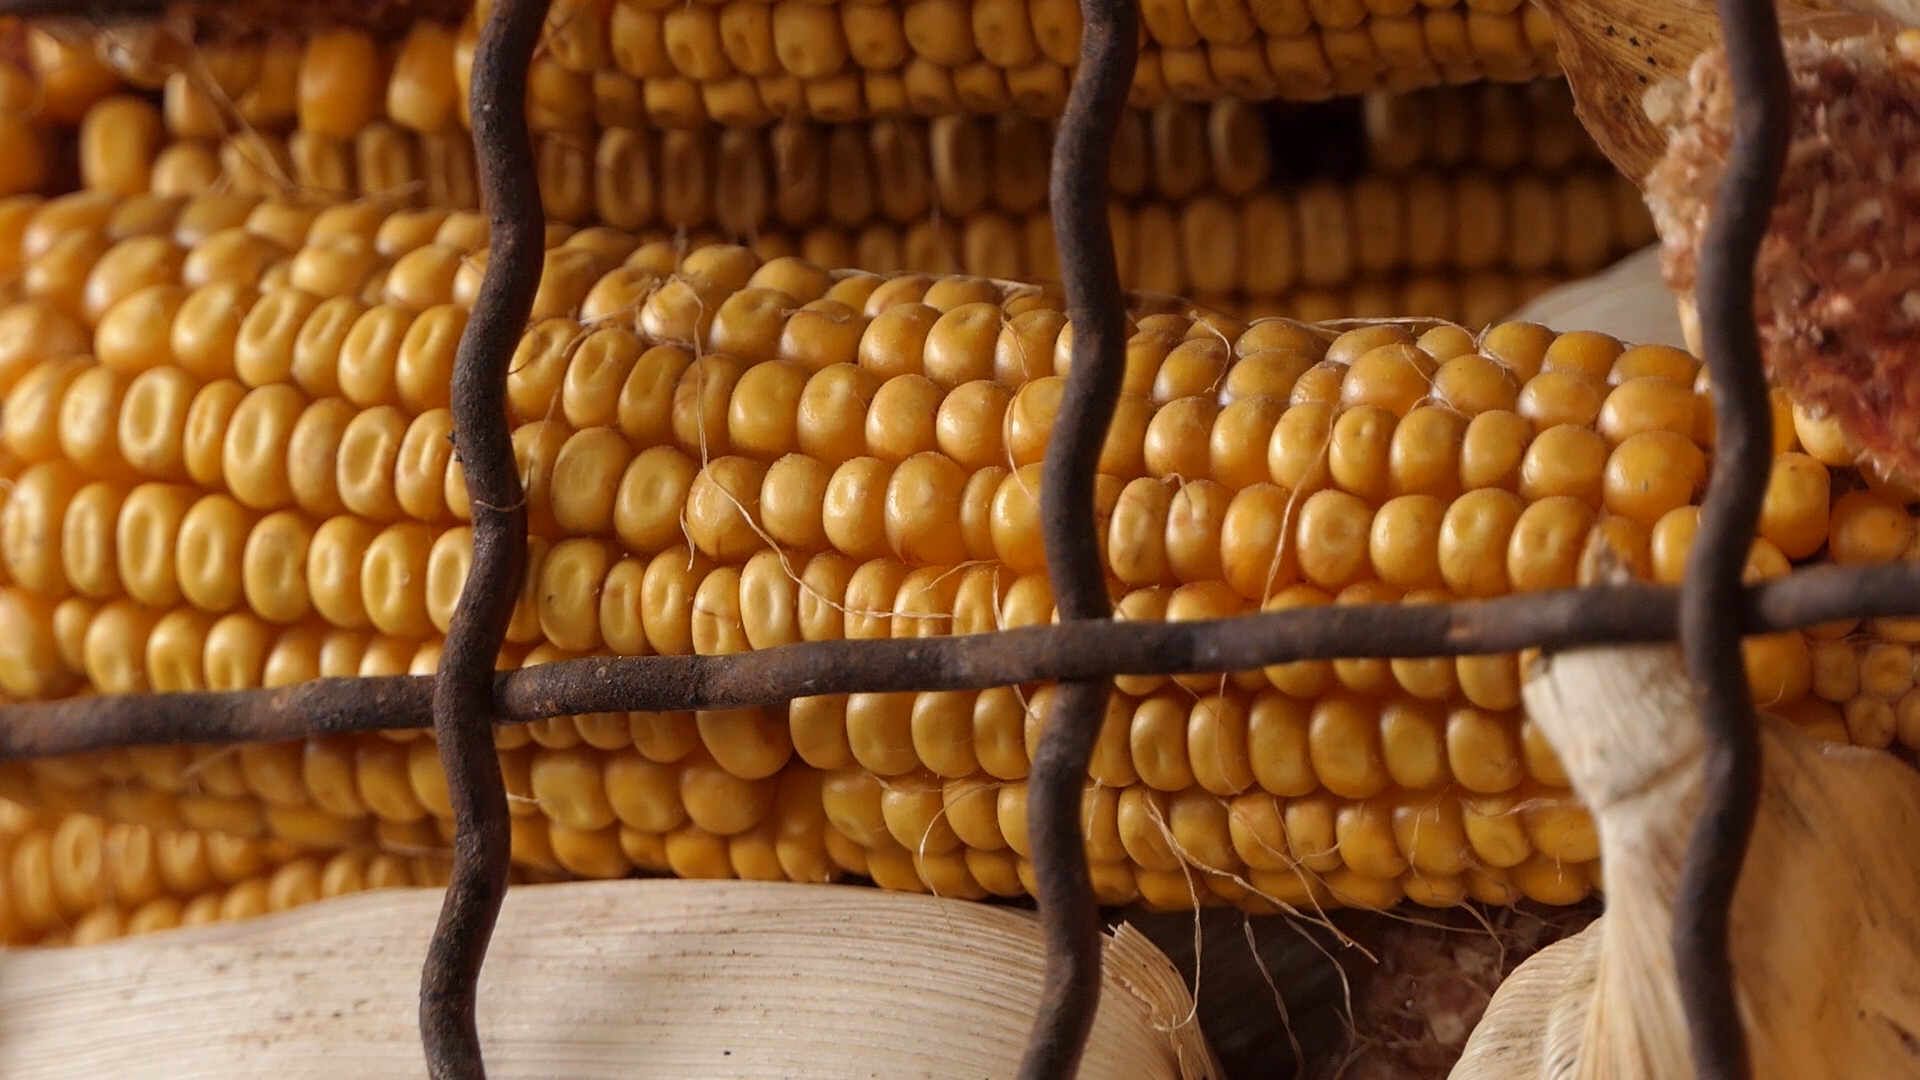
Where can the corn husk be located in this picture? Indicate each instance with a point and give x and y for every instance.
(1615, 51)
(1826, 951)
(689, 980)
(1836, 298)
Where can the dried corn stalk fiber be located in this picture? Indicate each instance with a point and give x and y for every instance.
(227, 446)
(1481, 198)
(1823, 953)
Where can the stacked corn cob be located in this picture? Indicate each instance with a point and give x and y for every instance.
(184, 145)
(225, 448)
(336, 106)
(1476, 200)
(78, 879)
(226, 433)
(738, 64)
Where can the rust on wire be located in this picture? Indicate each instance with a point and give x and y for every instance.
(463, 699)
(466, 699)
(1709, 638)
(90, 10)
(1560, 619)
(1097, 310)
(225, 20)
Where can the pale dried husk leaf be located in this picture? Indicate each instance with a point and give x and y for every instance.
(1615, 51)
(595, 980)
(1826, 951)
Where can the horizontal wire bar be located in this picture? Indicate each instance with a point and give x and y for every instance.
(1550, 620)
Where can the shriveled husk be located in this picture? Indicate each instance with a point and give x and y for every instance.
(1826, 949)
(1615, 51)
(1835, 294)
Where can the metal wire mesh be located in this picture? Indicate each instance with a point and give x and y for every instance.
(467, 698)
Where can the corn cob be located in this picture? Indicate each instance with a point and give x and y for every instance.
(956, 171)
(742, 64)
(723, 454)
(1388, 238)
(351, 101)
(913, 195)
(956, 161)
(1487, 126)
(965, 194)
(229, 119)
(24, 152)
(948, 56)
(78, 879)
(1262, 279)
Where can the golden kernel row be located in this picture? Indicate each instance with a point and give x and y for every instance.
(727, 405)
(864, 62)
(959, 162)
(1356, 731)
(601, 814)
(78, 879)
(844, 458)
(212, 283)
(1227, 237)
(1488, 126)
(1563, 396)
(50, 491)
(338, 111)
(743, 63)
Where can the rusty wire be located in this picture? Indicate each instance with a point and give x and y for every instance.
(1096, 307)
(91, 10)
(1710, 642)
(463, 702)
(467, 698)
(226, 20)
(1562, 619)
